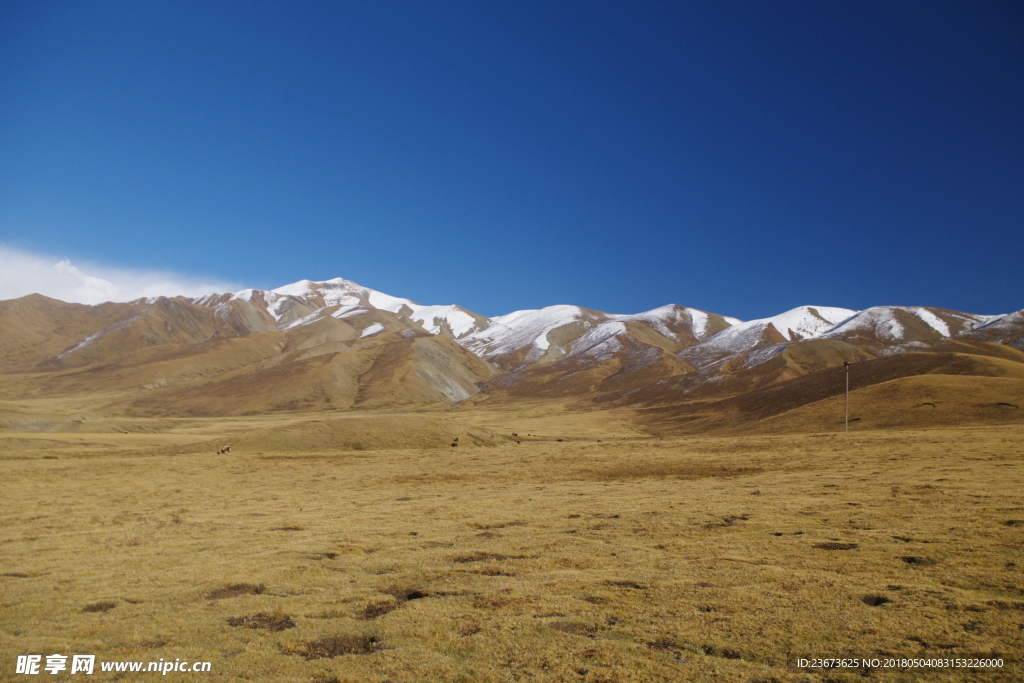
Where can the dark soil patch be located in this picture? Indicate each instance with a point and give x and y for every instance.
(665, 644)
(726, 521)
(627, 584)
(715, 651)
(1014, 522)
(15, 575)
(236, 589)
(469, 630)
(376, 609)
(499, 601)
(270, 622)
(489, 571)
(574, 628)
(487, 534)
(874, 600)
(100, 607)
(288, 528)
(834, 545)
(333, 646)
(499, 525)
(918, 560)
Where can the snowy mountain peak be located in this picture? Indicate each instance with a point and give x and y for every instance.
(802, 322)
(891, 324)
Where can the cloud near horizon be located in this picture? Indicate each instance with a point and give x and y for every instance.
(23, 273)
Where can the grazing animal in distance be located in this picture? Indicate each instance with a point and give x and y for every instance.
(224, 449)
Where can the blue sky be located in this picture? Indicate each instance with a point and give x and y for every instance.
(742, 158)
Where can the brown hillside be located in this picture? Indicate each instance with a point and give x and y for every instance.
(34, 328)
(922, 401)
(759, 404)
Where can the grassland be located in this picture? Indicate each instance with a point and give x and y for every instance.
(625, 559)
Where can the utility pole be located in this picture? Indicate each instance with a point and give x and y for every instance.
(847, 364)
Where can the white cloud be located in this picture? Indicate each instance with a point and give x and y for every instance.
(23, 273)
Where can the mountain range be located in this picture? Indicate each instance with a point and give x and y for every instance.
(337, 345)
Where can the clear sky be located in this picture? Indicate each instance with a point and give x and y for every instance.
(739, 157)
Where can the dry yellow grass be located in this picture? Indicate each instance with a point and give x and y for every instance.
(689, 559)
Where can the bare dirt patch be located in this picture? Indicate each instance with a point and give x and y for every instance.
(404, 593)
(234, 590)
(104, 606)
(376, 609)
(263, 620)
(335, 646)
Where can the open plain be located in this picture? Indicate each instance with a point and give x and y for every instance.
(582, 549)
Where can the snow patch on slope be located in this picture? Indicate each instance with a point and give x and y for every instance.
(528, 328)
(934, 321)
(432, 318)
(305, 320)
(372, 330)
(601, 342)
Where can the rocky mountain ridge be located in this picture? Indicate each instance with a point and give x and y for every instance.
(337, 344)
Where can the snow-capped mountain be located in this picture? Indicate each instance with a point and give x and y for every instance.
(341, 344)
(529, 337)
(804, 322)
(525, 339)
(883, 325)
(1003, 329)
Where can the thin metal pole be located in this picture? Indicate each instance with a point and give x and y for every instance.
(847, 397)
